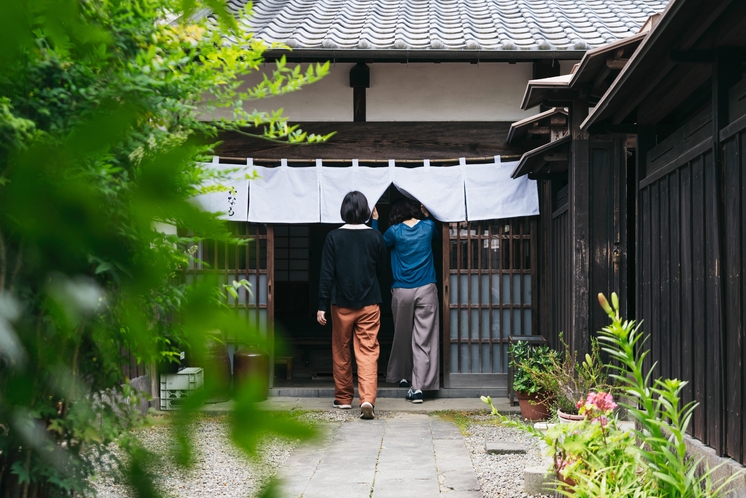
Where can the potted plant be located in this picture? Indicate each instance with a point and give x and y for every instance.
(569, 381)
(527, 361)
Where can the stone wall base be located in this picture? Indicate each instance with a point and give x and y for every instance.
(726, 467)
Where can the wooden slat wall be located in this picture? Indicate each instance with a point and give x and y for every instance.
(692, 294)
(735, 296)
(678, 248)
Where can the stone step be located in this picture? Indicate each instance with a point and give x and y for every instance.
(505, 448)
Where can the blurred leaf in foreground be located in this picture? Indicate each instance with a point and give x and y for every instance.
(100, 141)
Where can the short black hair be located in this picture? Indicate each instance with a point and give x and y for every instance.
(403, 209)
(355, 210)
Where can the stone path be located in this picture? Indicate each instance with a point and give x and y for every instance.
(405, 455)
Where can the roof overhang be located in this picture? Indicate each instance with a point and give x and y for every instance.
(520, 129)
(691, 27)
(594, 62)
(555, 90)
(406, 56)
(545, 160)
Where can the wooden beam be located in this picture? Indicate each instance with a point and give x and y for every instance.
(358, 104)
(538, 130)
(616, 63)
(601, 77)
(555, 158)
(670, 93)
(641, 93)
(726, 72)
(359, 81)
(712, 15)
(382, 141)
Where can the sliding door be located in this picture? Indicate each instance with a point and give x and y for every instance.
(487, 297)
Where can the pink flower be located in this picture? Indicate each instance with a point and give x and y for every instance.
(596, 406)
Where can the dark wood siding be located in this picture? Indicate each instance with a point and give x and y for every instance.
(692, 236)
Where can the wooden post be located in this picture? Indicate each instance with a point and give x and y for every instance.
(359, 81)
(726, 71)
(543, 297)
(579, 212)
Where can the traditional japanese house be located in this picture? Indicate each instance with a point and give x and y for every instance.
(414, 86)
(653, 186)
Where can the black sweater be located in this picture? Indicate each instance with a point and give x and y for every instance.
(351, 263)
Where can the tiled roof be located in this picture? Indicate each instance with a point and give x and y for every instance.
(489, 25)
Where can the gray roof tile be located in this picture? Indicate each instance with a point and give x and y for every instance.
(448, 24)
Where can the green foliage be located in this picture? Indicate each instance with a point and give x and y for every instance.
(565, 380)
(662, 419)
(596, 458)
(101, 139)
(528, 362)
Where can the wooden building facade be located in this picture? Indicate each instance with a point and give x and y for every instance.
(439, 81)
(673, 112)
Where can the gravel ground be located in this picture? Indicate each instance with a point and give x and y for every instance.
(220, 470)
(500, 475)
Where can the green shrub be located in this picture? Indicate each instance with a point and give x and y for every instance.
(527, 362)
(597, 458)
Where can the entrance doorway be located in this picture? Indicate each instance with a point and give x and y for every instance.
(487, 297)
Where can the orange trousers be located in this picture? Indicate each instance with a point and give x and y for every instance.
(362, 325)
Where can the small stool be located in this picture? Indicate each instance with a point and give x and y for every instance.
(288, 362)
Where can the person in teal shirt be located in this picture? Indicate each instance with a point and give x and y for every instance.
(414, 300)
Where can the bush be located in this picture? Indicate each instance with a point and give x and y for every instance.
(528, 362)
(566, 381)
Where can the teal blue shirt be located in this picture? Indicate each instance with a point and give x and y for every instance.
(411, 253)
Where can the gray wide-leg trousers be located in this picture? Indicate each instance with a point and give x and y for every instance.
(414, 352)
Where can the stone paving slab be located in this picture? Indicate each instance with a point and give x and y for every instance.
(505, 448)
(401, 456)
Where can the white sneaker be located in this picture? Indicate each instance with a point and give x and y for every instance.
(366, 411)
(341, 406)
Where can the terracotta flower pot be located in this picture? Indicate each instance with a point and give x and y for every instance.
(533, 406)
(568, 418)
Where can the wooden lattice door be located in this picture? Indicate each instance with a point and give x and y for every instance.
(487, 297)
(253, 261)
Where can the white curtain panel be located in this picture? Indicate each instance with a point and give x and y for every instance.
(439, 189)
(337, 182)
(233, 203)
(492, 194)
(285, 195)
(314, 194)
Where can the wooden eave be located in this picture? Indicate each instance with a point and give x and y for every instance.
(549, 158)
(547, 90)
(596, 60)
(539, 124)
(600, 66)
(671, 62)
